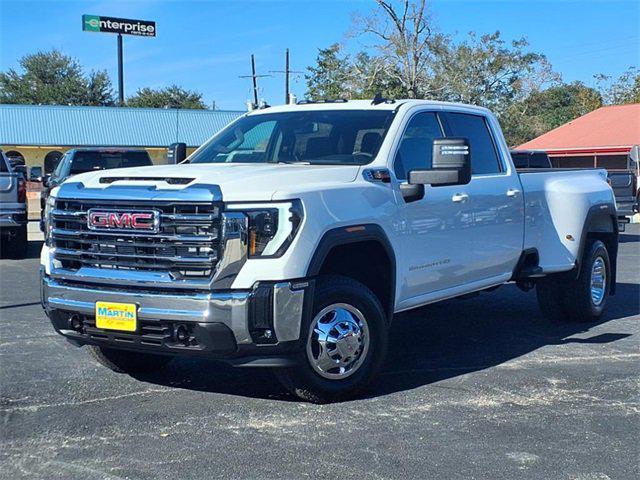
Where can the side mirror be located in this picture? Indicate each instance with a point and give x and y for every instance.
(451, 164)
(45, 180)
(176, 153)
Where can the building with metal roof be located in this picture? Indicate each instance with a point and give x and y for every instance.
(602, 138)
(39, 132)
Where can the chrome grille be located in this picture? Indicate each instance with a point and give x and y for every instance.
(186, 244)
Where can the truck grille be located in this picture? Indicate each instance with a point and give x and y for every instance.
(186, 244)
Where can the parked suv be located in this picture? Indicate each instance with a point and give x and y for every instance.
(82, 160)
(13, 211)
(292, 237)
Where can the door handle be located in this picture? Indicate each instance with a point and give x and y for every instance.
(513, 192)
(460, 197)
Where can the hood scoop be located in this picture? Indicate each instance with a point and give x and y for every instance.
(169, 180)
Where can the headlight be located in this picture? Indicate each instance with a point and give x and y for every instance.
(270, 227)
(48, 207)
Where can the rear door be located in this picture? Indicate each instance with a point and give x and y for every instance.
(493, 201)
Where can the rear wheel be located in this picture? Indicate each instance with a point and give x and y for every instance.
(581, 299)
(345, 343)
(122, 361)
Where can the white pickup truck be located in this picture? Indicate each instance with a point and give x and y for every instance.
(292, 237)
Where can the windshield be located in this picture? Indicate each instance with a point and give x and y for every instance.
(329, 137)
(86, 161)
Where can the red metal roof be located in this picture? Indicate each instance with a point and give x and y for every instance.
(613, 129)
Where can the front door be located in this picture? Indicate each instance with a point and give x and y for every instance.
(436, 240)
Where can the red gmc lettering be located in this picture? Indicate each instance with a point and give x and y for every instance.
(138, 221)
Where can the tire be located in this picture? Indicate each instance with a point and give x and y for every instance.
(564, 297)
(347, 310)
(18, 243)
(121, 361)
(580, 303)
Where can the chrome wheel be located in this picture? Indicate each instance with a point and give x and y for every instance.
(598, 281)
(338, 341)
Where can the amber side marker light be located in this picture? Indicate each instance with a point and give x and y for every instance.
(355, 229)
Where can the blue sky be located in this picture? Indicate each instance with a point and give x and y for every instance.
(205, 45)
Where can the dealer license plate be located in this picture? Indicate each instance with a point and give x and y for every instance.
(116, 316)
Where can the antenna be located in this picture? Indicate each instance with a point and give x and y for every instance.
(286, 72)
(254, 77)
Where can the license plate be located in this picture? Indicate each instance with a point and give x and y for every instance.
(116, 316)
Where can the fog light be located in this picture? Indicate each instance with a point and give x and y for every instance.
(182, 334)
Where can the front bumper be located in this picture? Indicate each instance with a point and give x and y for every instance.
(257, 327)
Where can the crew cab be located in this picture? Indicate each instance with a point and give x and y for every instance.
(13, 211)
(89, 159)
(292, 238)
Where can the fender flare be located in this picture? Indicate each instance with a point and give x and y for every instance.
(597, 220)
(354, 234)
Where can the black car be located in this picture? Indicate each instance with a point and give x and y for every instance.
(524, 159)
(81, 160)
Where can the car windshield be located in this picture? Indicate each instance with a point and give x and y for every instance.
(321, 137)
(86, 161)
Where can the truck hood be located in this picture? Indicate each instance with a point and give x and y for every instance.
(237, 182)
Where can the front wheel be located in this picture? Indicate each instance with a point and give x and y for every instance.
(345, 343)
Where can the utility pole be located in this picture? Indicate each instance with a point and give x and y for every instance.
(286, 72)
(254, 77)
(120, 72)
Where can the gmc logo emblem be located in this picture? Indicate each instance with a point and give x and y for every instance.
(119, 220)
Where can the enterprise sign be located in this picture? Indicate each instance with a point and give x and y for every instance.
(142, 28)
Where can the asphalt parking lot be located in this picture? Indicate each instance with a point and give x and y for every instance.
(475, 388)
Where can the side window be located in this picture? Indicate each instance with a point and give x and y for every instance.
(484, 158)
(3, 164)
(416, 146)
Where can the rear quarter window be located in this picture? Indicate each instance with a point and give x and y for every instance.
(3, 164)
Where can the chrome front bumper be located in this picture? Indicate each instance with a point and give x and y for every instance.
(236, 310)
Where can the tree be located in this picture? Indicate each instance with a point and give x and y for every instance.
(406, 43)
(329, 77)
(53, 78)
(625, 89)
(490, 72)
(544, 110)
(338, 75)
(170, 97)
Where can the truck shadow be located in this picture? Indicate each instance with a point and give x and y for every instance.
(430, 344)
